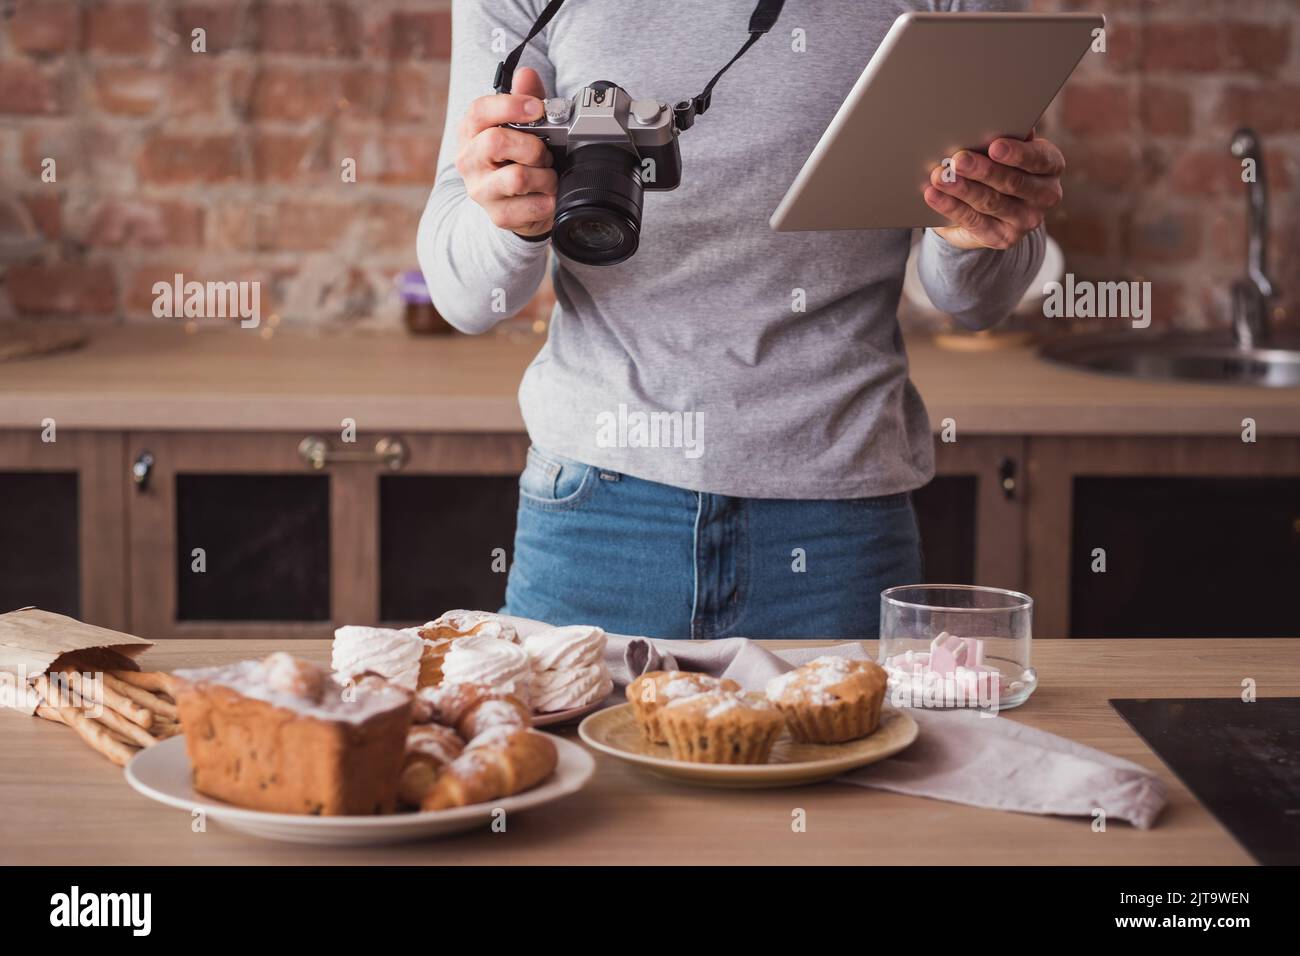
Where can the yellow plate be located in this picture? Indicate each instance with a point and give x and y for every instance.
(614, 731)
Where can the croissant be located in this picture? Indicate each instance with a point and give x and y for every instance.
(500, 765)
(429, 748)
(473, 709)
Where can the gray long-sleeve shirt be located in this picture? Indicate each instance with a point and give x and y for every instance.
(722, 357)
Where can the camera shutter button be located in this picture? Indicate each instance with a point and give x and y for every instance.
(646, 112)
(557, 109)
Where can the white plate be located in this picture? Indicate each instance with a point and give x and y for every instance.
(162, 773)
(560, 716)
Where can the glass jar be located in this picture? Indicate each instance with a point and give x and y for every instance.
(956, 645)
(420, 315)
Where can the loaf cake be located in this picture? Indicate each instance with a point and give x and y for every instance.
(278, 735)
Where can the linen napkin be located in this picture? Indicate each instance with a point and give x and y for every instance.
(960, 755)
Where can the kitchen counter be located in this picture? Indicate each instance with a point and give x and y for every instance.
(162, 377)
(65, 804)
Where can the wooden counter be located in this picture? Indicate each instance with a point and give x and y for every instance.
(65, 804)
(139, 377)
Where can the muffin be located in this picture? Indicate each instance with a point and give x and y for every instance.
(830, 699)
(652, 690)
(720, 727)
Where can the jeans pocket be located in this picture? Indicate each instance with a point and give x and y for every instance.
(555, 483)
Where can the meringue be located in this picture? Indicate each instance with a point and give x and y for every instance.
(578, 645)
(574, 687)
(488, 660)
(568, 668)
(393, 654)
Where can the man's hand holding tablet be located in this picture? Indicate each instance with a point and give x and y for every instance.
(993, 201)
(1000, 72)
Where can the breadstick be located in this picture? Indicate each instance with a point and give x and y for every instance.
(163, 730)
(111, 698)
(97, 736)
(49, 713)
(160, 682)
(112, 746)
(133, 733)
(121, 727)
(118, 737)
(141, 696)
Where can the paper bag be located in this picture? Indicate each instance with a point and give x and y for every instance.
(33, 641)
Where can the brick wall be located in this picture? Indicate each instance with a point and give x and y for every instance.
(226, 164)
(1151, 191)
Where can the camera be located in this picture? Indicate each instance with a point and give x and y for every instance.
(607, 150)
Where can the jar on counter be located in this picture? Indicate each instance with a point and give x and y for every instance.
(956, 645)
(419, 314)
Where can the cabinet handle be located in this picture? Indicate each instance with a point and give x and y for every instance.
(389, 451)
(142, 469)
(1007, 478)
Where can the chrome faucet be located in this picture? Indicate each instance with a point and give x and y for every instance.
(1250, 325)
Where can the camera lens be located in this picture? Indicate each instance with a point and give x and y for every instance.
(598, 206)
(596, 235)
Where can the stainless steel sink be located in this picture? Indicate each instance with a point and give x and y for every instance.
(1251, 353)
(1185, 357)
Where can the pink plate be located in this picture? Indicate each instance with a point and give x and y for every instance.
(561, 716)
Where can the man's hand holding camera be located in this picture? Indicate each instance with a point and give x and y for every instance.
(507, 172)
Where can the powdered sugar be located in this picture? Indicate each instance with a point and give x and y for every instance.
(812, 683)
(723, 706)
(250, 678)
(719, 702)
(688, 685)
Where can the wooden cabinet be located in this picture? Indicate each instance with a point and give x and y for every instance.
(289, 534)
(972, 515)
(63, 524)
(1200, 537)
(238, 513)
(443, 527)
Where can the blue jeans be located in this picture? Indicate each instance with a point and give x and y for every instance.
(637, 557)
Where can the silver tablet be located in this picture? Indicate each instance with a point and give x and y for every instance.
(939, 82)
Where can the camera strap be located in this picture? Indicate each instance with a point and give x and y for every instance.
(505, 77)
(760, 22)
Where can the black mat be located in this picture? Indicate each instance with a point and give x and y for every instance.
(1242, 760)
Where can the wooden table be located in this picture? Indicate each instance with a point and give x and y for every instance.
(62, 803)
